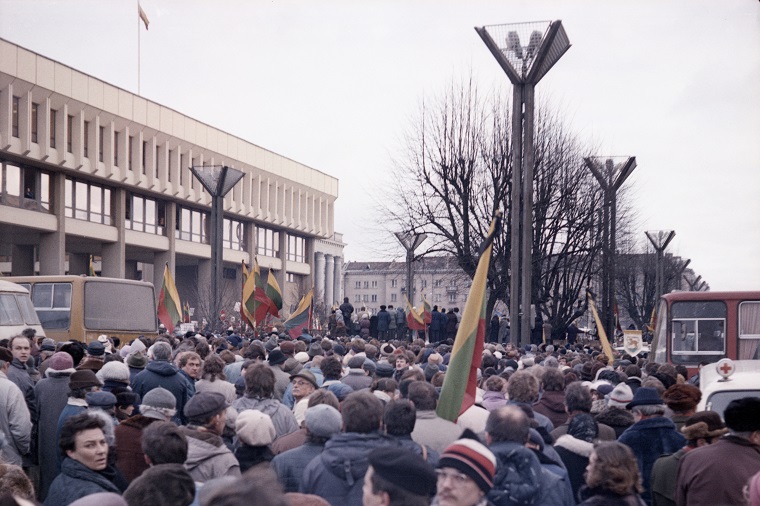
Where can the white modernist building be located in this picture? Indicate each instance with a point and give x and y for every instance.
(90, 170)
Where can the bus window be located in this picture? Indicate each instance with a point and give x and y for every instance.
(698, 331)
(660, 340)
(53, 304)
(749, 330)
(27, 310)
(9, 311)
(119, 307)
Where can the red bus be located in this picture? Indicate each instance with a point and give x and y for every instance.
(695, 327)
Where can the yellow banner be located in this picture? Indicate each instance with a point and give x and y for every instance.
(600, 329)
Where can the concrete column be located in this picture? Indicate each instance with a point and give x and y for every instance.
(329, 285)
(337, 278)
(319, 276)
(113, 256)
(22, 260)
(282, 275)
(309, 280)
(53, 244)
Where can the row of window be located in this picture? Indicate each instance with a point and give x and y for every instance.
(451, 298)
(394, 284)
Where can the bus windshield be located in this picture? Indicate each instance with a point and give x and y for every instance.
(698, 331)
(119, 306)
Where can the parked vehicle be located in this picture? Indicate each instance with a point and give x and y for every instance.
(16, 311)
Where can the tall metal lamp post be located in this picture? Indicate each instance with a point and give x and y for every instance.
(218, 180)
(525, 66)
(660, 240)
(611, 173)
(410, 241)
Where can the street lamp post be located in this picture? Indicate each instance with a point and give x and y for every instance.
(218, 180)
(611, 173)
(410, 241)
(660, 240)
(525, 66)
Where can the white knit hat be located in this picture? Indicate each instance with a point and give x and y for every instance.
(114, 370)
(254, 428)
(620, 396)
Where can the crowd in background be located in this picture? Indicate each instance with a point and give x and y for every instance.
(348, 420)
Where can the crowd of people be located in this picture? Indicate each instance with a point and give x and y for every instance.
(347, 420)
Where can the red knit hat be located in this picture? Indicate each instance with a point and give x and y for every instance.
(473, 459)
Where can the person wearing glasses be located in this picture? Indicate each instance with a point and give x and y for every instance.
(465, 474)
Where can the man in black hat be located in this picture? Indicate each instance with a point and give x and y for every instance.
(653, 434)
(207, 456)
(94, 359)
(397, 476)
(716, 474)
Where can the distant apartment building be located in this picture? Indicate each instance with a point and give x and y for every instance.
(439, 279)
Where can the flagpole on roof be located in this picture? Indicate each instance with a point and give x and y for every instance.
(138, 47)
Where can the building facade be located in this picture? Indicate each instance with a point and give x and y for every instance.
(439, 279)
(88, 170)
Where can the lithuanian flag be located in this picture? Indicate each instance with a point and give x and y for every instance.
(186, 312)
(243, 315)
(169, 307)
(599, 327)
(274, 294)
(300, 318)
(255, 304)
(426, 313)
(460, 381)
(413, 319)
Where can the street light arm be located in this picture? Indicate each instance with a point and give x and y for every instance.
(626, 171)
(596, 172)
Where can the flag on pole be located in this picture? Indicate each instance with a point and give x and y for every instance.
(255, 303)
(301, 317)
(602, 334)
(274, 294)
(92, 268)
(186, 312)
(243, 315)
(413, 319)
(460, 381)
(426, 311)
(143, 16)
(169, 307)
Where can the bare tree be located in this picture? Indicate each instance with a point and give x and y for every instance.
(455, 173)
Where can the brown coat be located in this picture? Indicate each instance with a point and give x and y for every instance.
(714, 475)
(130, 459)
(552, 406)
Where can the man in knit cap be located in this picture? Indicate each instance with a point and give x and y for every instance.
(158, 405)
(322, 422)
(51, 392)
(397, 476)
(465, 474)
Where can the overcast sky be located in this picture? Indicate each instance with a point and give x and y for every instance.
(335, 84)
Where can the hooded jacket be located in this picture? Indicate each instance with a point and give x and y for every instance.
(552, 406)
(337, 475)
(76, 481)
(650, 439)
(574, 453)
(521, 480)
(282, 418)
(161, 373)
(207, 456)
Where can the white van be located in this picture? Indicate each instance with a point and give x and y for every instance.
(16, 311)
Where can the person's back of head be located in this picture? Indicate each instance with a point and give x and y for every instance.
(331, 368)
(509, 423)
(399, 418)
(161, 351)
(167, 484)
(164, 443)
(553, 380)
(422, 395)
(523, 387)
(259, 381)
(362, 412)
(577, 398)
(742, 416)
